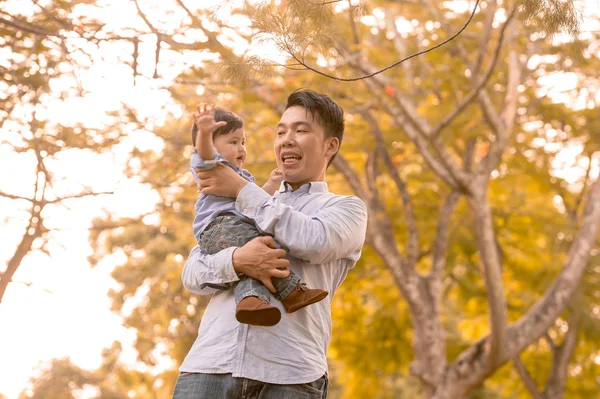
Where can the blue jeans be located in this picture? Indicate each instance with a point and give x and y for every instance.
(224, 386)
(229, 230)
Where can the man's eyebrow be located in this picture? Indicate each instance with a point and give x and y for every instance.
(295, 124)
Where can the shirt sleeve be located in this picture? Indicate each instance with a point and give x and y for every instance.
(197, 162)
(335, 232)
(205, 274)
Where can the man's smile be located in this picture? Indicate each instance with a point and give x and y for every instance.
(290, 158)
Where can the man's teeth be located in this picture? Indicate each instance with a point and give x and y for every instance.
(290, 158)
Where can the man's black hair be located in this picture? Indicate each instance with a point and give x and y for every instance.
(323, 109)
(234, 122)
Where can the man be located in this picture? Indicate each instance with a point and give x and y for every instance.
(322, 235)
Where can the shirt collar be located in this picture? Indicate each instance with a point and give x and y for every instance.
(311, 188)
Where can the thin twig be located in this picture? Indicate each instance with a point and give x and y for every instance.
(482, 82)
(395, 63)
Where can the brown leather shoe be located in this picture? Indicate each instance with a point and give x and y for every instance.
(255, 311)
(301, 297)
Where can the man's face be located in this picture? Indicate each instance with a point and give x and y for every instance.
(232, 146)
(301, 148)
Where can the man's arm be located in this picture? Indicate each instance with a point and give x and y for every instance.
(334, 232)
(205, 274)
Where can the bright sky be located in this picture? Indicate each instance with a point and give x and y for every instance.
(65, 312)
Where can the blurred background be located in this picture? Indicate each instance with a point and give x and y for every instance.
(477, 161)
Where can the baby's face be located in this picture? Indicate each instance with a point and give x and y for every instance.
(232, 146)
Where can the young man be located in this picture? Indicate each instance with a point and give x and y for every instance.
(322, 234)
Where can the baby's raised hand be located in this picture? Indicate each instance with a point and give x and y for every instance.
(204, 119)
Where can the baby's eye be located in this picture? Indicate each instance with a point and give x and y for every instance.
(234, 142)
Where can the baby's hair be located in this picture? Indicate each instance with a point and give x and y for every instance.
(234, 122)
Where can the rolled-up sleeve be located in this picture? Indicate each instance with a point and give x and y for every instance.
(197, 162)
(336, 231)
(205, 274)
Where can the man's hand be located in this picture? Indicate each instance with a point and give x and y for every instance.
(221, 180)
(260, 259)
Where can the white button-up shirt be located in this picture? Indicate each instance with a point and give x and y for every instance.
(323, 234)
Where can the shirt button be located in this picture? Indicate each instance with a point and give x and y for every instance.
(245, 210)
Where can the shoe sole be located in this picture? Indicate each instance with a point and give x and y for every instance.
(316, 299)
(260, 317)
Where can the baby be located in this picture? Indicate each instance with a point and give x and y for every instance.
(218, 136)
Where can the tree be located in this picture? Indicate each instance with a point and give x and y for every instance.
(47, 50)
(466, 165)
(466, 172)
(62, 379)
(468, 134)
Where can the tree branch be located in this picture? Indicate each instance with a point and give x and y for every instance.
(402, 121)
(491, 272)
(489, 112)
(33, 230)
(418, 130)
(377, 72)
(492, 158)
(550, 342)
(482, 81)
(44, 202)
(351, 177)
(79, 195)
(555, 385)
(440, 243)
(355, 34)
(406, 106)
(28, 28)
(527, 379)
(533, 324)
(416, 127)
(379, 229)
(573, 213)
(398, 44)
(492, 6)
(413, 248)
(371, 174)
(15, 197)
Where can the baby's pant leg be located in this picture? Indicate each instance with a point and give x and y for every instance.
(232, 231)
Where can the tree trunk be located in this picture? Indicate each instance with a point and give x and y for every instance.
(472, 367)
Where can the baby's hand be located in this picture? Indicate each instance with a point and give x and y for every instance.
(204, 119)
(276, 177)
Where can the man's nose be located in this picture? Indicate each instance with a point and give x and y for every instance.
(289, 139)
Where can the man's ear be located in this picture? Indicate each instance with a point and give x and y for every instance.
(332, 145)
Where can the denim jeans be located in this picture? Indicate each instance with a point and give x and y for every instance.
(224, 386)
(232, 231)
